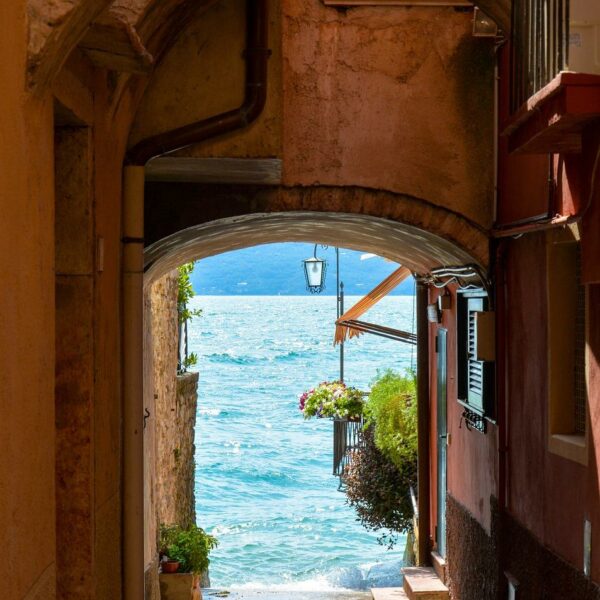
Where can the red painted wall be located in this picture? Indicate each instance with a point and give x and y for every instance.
(472, 457)
(549, 495)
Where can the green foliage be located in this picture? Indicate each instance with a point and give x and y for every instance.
(379, 491)
(190, 547)
(185, 294)
(380, 475)
(190, 361)
(392, 409)
(333, 400)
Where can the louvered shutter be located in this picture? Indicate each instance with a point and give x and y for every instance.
(475, 370)
(475, 377)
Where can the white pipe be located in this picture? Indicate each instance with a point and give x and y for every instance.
(132, 376)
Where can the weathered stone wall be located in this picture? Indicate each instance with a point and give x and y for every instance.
(176, 421)
(170, 402)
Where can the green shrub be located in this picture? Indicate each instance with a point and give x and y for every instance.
(392, 410)
(190, 547)
(381, 473)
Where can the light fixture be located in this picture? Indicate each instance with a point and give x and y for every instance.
(433, 313)
(483, 26)
(314, 271)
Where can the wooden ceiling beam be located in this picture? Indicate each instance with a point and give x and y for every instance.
(116, 45)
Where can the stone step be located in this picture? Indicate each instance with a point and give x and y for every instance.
(388, 594)
(439, 565)
(421, 583)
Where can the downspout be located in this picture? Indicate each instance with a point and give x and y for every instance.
(255, 96)
(133, 381)
(256, 55)
(423, 418)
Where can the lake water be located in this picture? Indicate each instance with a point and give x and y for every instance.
(263, 480)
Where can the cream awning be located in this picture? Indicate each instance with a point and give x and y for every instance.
(342, 330)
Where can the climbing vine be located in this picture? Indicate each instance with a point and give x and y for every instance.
(185, 292)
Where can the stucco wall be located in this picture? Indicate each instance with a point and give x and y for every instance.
(27, 515)
(548, 494)
(389, 98)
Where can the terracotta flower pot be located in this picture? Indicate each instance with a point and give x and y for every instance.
(170, 566)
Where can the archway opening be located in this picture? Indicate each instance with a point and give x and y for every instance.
(423, 250)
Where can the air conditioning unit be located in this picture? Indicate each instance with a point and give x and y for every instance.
(584, 36)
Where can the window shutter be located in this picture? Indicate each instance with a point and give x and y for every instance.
(475, 370)
(475, 377)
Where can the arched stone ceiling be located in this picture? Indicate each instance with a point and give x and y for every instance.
(418, 250)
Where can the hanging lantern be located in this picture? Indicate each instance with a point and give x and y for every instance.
(314, 271)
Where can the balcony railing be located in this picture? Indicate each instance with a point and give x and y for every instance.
(540, 46)
(347, 438)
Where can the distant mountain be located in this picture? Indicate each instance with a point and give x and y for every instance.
(276, 269)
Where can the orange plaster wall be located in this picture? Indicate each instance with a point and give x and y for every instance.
(392, 98)
(26, 322)
(203, 75)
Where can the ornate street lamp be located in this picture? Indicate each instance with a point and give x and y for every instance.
(314, 270)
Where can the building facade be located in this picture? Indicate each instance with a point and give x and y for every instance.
(137, 135)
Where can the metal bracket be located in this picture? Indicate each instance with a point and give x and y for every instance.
(474, 421)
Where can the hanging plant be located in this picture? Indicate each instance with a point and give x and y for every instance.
(379, 476)
(333, 400)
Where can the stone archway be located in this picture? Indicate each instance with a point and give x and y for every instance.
(187, 221)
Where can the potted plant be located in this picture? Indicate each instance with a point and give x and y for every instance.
(333, 400)
(184, 557)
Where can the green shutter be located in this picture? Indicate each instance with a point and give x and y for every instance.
(475, 370)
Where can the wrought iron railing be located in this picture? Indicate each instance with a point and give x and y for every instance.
(347, 438)
(540, 46)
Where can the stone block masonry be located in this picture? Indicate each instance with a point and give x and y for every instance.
(175, 400)
(175, 460)
(171, 401)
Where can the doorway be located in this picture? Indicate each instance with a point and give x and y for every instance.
(442, 445)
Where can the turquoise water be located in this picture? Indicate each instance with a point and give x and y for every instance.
(263, 480)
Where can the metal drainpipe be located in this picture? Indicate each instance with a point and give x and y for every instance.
(255, 96)
(256, 54)
(133, 381)
(423, 418)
